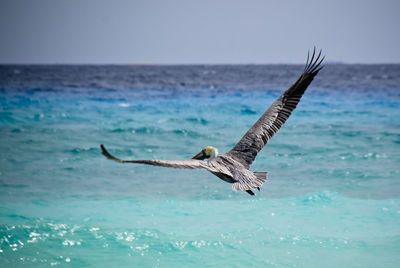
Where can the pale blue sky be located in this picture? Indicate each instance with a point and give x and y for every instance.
(189, 31)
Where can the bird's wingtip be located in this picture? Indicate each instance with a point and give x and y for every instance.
(108, 155)
(103, 150)
(313, 66)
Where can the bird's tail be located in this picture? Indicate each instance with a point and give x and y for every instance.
(256, 183)
(261, 177)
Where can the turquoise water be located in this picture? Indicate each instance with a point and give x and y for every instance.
(332, 198)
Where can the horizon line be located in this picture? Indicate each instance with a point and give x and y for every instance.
(191, 64)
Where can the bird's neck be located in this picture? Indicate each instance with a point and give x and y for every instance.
(214, 154)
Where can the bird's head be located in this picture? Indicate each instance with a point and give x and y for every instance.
(208, 152)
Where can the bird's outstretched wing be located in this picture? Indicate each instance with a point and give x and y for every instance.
(245, 151)
(182, 164)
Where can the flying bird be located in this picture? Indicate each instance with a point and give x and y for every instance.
(233, 166)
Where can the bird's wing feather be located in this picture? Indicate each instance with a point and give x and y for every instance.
(245, 151)
(182, 164)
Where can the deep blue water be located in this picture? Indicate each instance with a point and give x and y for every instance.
(332, 198)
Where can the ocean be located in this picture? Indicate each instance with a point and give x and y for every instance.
(332, 198)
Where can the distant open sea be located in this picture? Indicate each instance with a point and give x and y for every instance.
(332, 198)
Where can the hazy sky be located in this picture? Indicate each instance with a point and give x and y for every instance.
(206, 31)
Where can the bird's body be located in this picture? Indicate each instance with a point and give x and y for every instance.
(233, 166)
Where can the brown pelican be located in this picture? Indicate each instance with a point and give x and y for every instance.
(233, 166)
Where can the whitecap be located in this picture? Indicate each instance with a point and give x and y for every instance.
(124, 105)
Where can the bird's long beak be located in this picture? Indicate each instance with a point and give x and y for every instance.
(200, 156)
